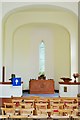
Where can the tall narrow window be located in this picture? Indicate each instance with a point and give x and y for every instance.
(42, 57)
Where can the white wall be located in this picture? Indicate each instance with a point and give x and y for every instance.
(23, 31)
(26, 51)
(79, 38)
(0, 42)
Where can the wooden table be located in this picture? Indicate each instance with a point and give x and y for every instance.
(41, 86)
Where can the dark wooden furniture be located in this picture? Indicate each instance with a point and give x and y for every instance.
(6, 83)
(70, 83)
(41, 86)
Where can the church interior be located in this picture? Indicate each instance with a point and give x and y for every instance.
(39, 61)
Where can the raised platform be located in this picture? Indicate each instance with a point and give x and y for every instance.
(69, 89)
(7, 90)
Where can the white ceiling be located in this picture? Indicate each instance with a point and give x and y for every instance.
(8, 6)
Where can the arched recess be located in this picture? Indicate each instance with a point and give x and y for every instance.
(57, 47)
(34, 15)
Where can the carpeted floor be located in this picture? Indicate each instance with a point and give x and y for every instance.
(41, 95)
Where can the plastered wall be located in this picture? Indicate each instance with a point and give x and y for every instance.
(23, 32)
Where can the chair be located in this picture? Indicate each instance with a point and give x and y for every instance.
(9, 105)
(17, 103)
(71, 106)
(54, 112)
(55, 108)
(57, 100)
(2, 117)
(26, 105)
(65, 112)
(68, 100)
(42, 100)
(41, 109)
(8, 111)
(26, 112)
(16, 100)
(76, 112)
(29, 101)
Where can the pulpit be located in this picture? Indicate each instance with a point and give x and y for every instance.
(41, 86)
(7, 90)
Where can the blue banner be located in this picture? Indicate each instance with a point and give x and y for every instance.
(16, 81)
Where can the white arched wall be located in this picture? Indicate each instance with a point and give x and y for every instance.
(26, 51)
(19, 18)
